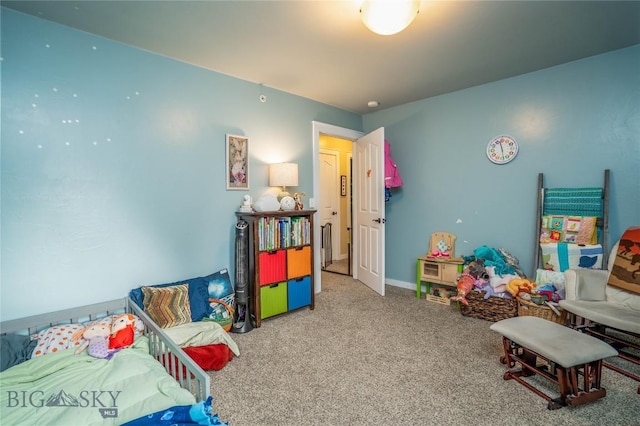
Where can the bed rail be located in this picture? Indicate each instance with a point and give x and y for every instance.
(176, 362)
(36, 323)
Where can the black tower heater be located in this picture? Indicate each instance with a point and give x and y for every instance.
(242, 321)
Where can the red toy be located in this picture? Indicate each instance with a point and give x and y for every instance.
(464, 286)
(122, 332)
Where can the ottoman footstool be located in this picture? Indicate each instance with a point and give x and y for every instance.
(570, 356)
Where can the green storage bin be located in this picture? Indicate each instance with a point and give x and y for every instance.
(273, 299)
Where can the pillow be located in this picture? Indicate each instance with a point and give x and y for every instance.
(198, 296)
(167, 306)
(201, 333)
(221, 295)
(210, 357)
(57, 338)
(14, 349)
(556, 278)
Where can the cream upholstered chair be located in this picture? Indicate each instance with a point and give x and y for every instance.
(604, 311)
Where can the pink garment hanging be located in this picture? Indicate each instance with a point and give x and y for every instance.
(392, 177)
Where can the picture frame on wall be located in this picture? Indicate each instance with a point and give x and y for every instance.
(343, 185)
(237, 157)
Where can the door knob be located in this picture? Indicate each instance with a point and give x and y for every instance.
(334, 213)
(378, 220)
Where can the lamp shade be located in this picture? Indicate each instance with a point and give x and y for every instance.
(283, 174)
(387, 17)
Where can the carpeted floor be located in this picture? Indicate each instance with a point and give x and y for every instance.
(363, 359)
(339, 267)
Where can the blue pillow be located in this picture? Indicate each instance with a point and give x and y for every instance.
(198, 296)
(219, 284)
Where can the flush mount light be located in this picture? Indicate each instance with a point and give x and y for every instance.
(387, 17)
(373, 104)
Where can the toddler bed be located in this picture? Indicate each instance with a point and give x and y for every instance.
(64, 388)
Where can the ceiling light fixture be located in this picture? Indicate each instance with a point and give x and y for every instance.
(387, 17)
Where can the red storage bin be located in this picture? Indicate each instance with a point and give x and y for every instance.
(273, 266)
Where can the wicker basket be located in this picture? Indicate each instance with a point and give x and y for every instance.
(527, 308)
(490, 309)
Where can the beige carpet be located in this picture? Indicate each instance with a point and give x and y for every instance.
(338, 267)
(362, 359)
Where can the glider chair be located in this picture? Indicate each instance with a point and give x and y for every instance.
(597, 304)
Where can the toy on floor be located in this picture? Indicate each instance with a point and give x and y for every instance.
(465, 284)
(442, 246)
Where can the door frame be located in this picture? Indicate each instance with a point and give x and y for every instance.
(319, 128)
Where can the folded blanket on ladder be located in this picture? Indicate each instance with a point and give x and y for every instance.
(561, 256)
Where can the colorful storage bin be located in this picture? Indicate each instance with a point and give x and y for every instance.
(298, 262)
(273, 266)
(299, 292)
(273, 299)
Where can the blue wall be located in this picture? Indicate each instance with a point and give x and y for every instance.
(113, 161)
(113, 164)
(572, 122)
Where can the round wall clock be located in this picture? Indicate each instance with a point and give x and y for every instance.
(502, 149)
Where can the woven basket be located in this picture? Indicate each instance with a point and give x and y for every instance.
(527, 308)
(490, 309)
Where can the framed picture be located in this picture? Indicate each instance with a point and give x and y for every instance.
(237, 157)
(343, 185)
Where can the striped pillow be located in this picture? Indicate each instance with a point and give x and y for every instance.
(167, 306)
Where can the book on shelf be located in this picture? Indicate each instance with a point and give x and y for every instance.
(283, 232)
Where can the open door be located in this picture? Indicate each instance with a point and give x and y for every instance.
(330, 207)
(369, 243)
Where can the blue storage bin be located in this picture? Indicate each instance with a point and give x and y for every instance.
(299, 292)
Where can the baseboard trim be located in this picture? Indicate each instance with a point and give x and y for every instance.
(402, 284)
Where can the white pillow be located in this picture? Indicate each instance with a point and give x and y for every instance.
(200, 333)
(56, 338)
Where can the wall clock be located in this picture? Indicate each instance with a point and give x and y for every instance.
(502, 149)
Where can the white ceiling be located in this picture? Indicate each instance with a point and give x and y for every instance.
(321, 50)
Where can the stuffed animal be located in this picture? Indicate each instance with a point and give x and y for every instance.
(122, 331)
(96, 339)
(464, 286)
(298, 199)
(476, 268)
(520, 285)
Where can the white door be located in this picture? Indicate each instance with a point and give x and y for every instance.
(368, 175)
(329, 207)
